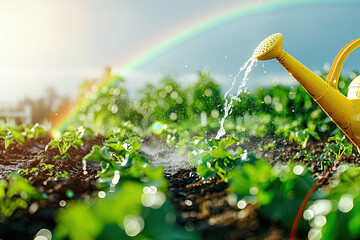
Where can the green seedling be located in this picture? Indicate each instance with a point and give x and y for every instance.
(269, 146)
(10, 134)
(215, 158)
(121, 158)
(34, 131)
(45, 166)
(58, 157)
(337, 146)
(28, 171)
(15, 192)
(306, 156)
(67, 140)
(59, 174)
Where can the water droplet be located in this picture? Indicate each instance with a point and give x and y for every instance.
(101, 194)
(188, 202)
(69, 193)
(62, 203)
(241, 204)
(298, 169)
(308, 214)
(84, 167)
(346, 203)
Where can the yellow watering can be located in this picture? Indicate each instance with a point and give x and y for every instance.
(344, 111)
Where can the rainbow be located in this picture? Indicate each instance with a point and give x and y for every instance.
(173, 38)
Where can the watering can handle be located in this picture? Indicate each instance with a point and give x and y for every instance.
(334, 74)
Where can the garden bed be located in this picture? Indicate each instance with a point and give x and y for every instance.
(201, 206)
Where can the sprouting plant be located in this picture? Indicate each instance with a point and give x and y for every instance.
(294, 131)
(270, 145)
(67, 140)
(306, 156)
(27, 171)
(337, 146)
(123, 131)
(34, 131)
(122, 158)
(59, 174)
(214, 157)
(45, 166)
(10, 134)
(58, 157)
(15, 192)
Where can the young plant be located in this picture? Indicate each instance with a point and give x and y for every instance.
(306, 156)
(34, 131)
(294, 131)
(337, 146)
(214, 157)
(59, 174)
(67, 140)
(64, 157)
(334, 149)
(15, 192)
(27, 171)
(10, 134)
(122, 158)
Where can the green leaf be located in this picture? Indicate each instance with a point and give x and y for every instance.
(231, 141)
(206, 172)
(116, 147)
(220, 153)
(19, 137)
(196, 158)
(8, 142)
(98, 154)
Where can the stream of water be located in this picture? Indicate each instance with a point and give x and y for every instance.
(228, 104)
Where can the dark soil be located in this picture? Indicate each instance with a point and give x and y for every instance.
(24, 224)
(203, 206)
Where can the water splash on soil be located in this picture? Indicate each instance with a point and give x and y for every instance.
(228, 105)
(160, 154)
(84, 167)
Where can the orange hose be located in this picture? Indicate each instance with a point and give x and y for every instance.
(305, 201)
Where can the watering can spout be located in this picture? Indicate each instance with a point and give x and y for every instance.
(344, 111)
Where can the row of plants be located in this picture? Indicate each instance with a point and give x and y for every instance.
(284, 111)
(10, 132)
(132, 199)
(131, 191)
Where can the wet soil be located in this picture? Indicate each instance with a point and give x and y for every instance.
(203, 206)
(24, 224)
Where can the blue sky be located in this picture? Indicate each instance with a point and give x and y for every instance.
(60, 43)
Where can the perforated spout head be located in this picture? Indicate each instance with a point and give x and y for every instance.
(269, 48)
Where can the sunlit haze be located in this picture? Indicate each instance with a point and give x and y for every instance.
(59, 44)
